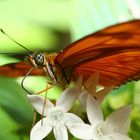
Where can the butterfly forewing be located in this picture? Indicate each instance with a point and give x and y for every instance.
(114, 52)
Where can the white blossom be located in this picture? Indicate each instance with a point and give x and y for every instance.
(114, 127)
(56, 117)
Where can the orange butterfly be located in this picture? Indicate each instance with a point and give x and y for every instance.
(114, 52)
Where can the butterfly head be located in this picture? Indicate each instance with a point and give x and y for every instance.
(37, 59)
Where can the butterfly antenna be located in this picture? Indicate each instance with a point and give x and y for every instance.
(15, 41)
(22, 82)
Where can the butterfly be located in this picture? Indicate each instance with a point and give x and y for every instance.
(114, 52)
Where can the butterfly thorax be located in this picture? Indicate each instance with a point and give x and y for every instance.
(55, 71)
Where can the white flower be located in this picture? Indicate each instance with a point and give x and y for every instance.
(57, 118)
(115, 127)
(90, 88)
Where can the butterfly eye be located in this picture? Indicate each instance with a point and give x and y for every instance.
(39, 59)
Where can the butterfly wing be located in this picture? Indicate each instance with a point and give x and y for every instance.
(18, 69)
(114, 70)
(114, 52)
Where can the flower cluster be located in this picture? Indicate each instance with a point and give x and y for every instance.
(59, 120)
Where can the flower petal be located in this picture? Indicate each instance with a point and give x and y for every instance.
(92, 82)
(117, 136)
(102, 93)
(83, 98)
(71, 118)
(40, 131)
(120, 120)
(67, 99)
(79, 83)
(81, 131)
(38, 103)
(60, 132)
(94, 112)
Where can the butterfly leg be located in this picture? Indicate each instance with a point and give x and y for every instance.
(34, 119)
(48, 86)
(44, 104)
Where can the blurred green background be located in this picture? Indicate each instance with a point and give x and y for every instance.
(51, 25)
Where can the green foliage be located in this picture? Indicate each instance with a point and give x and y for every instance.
(14, 105)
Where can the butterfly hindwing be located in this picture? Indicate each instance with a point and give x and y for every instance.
(18, 69)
